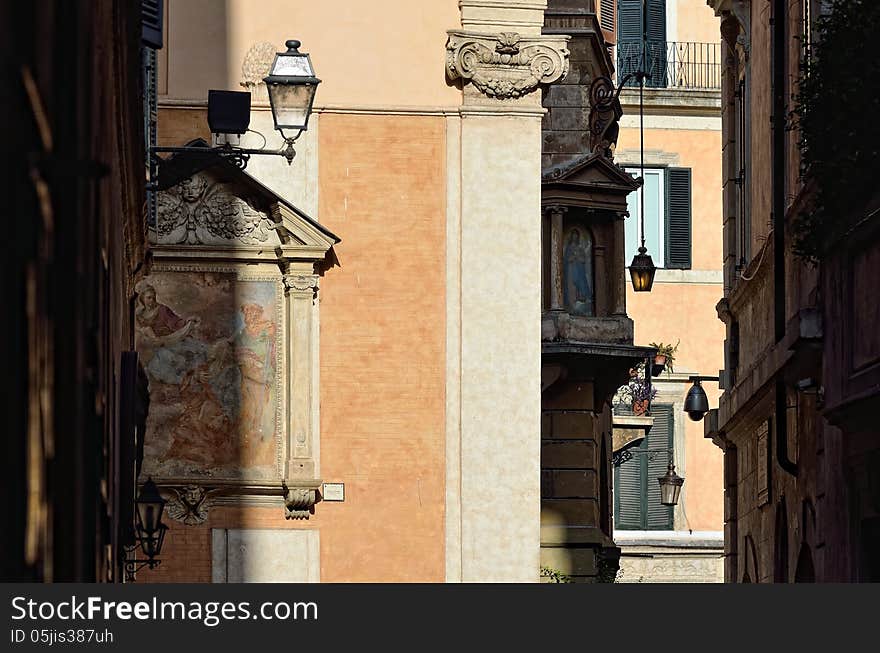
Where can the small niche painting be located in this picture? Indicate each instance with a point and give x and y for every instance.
(577, 263)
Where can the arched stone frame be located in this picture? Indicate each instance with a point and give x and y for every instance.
(751, 571)
(780, 543)
(805, 569)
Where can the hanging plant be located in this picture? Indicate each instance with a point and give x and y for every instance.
(836, 109)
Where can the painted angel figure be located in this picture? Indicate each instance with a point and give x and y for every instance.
(195, 212)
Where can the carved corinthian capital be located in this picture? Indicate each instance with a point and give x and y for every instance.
(301, 282)
(505, 65)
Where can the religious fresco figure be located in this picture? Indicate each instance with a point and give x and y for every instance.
(169, 352)
(212, 377)
(577, 263)
(255, 356)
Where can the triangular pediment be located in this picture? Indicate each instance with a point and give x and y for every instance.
(207, 202)
(593, 170)
(592, 181)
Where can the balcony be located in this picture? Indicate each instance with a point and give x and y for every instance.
(674, 64)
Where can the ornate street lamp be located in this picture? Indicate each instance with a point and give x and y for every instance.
(670, 486)
(150, 531)
(291, 85)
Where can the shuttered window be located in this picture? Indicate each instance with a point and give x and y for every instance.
(630, 37)
(636, 490)
(667, 228)
(151, 23)
(678, 218)
(606, 15)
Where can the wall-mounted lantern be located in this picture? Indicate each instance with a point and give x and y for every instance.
(149, 529)
(291, 85)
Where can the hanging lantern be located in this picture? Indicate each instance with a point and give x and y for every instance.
(642, 270)
(670, 486)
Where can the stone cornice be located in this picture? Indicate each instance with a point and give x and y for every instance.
(505, 65)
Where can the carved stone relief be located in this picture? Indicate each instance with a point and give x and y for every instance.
(255, 67)
(189, 504)
(199, 211)
(506, 65)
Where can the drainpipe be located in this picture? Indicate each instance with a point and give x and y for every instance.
(779, 31)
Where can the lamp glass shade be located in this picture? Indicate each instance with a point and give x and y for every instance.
(291, 104)
(291, 85)
(670, 486)
(641, 271)
(150, 506)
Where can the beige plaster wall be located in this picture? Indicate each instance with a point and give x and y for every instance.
(500, 340)
(695, 21)
(382, 52)
(685, 310)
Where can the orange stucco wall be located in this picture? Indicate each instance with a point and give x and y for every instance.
(383, 346)
(686, 311)
(382, 358)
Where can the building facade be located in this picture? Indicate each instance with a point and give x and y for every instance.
(801, 354)
(404, 379)
(683, 218)
(76, 249)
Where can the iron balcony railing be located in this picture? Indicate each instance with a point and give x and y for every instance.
(674, 64)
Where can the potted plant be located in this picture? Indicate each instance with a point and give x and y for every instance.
(664, 357)
(637, 391)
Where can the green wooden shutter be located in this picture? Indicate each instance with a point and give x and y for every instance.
(629, 38)
(656, 58)
(678, 218)
(629, 496)
(659, 517)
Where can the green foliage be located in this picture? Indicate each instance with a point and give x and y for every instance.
(836, 111)
(554, 575)
(668, 351)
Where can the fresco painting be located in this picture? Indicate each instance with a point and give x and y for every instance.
(209, 345)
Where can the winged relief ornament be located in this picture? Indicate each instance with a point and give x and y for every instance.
(198, 212)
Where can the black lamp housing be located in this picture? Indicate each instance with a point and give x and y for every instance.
(229, 112)
(150, 530)
(642, 270)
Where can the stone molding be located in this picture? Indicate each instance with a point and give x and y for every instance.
(506, 65)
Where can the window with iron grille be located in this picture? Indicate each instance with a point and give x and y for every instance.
(638, 51)
(636, 490)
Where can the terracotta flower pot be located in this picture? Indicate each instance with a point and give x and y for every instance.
(640, 407)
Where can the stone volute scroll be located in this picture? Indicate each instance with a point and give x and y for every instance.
(227, 330)
(507, 65)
